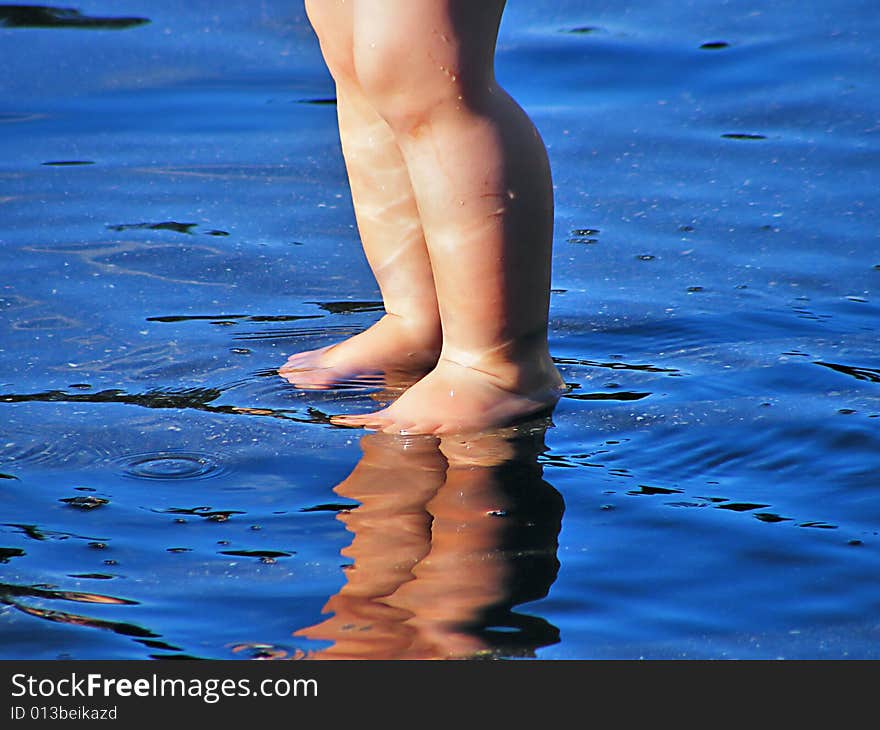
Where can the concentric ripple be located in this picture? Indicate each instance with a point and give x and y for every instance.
(170, 465)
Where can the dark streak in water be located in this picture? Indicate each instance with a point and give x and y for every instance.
(194, 317)
(164, 226)
(283, 334)
(804, 313)
(7, 476)
(7, 553)
(324, 101)
(153, 644)
(266, 373)
(206, 512)
(334, 507)
(243, 317)
(282, 317)
(42, 16)
(624, 395)
(741, 506)
(270, 554)
(613, 365)
(869, 374)
(770, 517)
(68, 163)
(644, 489)
(743, 136)
(582, 30)
(34, 532)
(818, 524)
(195, 398)
(188, 398)
(76, 620)
(6, 117)
(349, 307)
(715, 45)
(8, 590)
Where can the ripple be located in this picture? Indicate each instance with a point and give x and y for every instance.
(53, 322)
(255, 650)
(287, 333)
(168, 465)
(615, 365)
(30, 450)
(8, 117)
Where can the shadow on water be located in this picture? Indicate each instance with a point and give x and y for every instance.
(44, 16)
(450, 534)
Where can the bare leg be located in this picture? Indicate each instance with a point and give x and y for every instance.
(406, 341)
(482, 183)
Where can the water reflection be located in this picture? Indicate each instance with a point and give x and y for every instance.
(450, 535)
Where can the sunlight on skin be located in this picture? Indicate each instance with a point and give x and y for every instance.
(453, 198)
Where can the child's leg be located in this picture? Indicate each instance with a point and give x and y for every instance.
(482, 183)
(407, 339)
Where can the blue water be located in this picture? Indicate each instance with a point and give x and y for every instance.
(708, 488)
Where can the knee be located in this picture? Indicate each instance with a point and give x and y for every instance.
(333, 26)
(403, 87)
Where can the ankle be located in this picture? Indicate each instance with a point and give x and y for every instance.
(518, 365)
(416, 329)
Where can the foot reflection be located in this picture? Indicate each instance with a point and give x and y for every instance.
(451, 534)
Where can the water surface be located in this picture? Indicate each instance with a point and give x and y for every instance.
(175, 221)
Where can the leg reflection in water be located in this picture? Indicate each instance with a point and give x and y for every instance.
(450, 534)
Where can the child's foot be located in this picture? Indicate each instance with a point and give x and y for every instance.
(455, 398)
(392, 348)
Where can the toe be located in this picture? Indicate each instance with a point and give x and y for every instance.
(367, 420)
(305, 359)
(396, 427)
(306, 379)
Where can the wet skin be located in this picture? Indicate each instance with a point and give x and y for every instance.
(453, 198)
